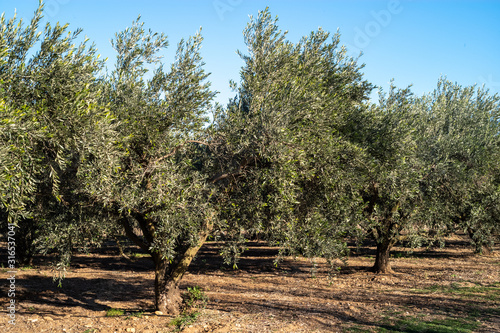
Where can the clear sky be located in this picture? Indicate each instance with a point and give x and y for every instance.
(414, 42)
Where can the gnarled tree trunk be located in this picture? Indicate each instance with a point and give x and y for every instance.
(386, 236)
(382, 264)
(167, 294)
(168, 275)
(480, 246)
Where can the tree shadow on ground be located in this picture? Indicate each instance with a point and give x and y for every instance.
(91, 294)
(112, 278)
(258, 258)
(404, 250)
(328, 306)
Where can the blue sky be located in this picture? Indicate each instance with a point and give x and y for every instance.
(414, 42)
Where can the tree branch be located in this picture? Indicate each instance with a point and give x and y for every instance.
(146, 227)
(224, 176)
(187, 256)
(177, 148)
(131, 234)
(172, 153)
(129, 231)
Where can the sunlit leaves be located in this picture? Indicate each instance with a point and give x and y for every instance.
(49, 118)
(460, 143)
(290, 169)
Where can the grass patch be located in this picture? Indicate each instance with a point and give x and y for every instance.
(448, 325)
(196, 297)
(357, 329)
(135, 314)
(417, 324)
(490, 292)
(493, 311)
(114, 312)
(194, 300)
(183, 320)
(136, 255)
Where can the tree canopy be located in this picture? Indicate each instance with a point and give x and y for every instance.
(300, 156)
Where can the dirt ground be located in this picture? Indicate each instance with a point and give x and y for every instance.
(445, 290)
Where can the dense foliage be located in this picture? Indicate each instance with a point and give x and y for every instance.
(51, 120)
(460, 144)
(282, 134)
(390, 172)
(300, 156)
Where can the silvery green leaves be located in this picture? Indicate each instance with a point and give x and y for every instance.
(390, 171)
(158, 115)
(285, 149)
(158, 193)
(50, 116)
(460, 143)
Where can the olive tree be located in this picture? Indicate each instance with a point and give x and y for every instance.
(84, 155)
(389, 171)
(430, 167)
(50, 119)
(152, 180)
(286, 168)
(460, 143)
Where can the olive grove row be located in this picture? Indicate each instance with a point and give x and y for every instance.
(300, 156)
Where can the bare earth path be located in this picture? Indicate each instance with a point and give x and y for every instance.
(446, 290)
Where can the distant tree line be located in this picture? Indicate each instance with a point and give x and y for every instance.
(300, 155)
